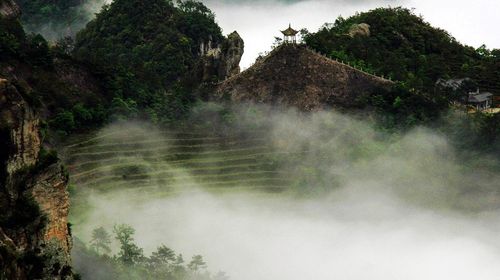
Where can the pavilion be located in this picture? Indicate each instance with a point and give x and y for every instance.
(290, 35)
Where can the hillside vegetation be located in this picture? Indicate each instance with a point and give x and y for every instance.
(136, 59)
(396, 43)
(145, 50)
(402, 45)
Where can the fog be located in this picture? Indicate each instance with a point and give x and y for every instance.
(55, 30)
(361, 204)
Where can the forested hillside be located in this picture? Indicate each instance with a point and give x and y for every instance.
(396, 43)
(147, 52)
(399, 44)
(135, 59)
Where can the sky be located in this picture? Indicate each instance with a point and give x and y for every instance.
(471, 22)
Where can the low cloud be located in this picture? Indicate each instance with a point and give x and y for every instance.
(360, 205)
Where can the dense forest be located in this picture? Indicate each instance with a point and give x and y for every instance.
(146, 50)
(396, 43)
(135, 59)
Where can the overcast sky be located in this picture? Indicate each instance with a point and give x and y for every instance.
(258, 22)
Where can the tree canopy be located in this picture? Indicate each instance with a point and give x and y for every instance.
(148, 48)
(404, 46)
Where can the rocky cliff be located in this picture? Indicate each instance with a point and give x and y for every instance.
(296, 76)
(35, 241)
(221, 61)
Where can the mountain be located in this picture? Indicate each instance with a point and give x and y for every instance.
(399, 44)
(155, 55)
(293, 75)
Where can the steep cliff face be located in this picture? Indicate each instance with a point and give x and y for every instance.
(221, 61)
(34, 236)
(296, 76)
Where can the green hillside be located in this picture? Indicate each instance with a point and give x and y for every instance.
(399, 44)
(147, 52)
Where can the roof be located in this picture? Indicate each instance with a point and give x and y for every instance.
(478, 98)
(290, 31)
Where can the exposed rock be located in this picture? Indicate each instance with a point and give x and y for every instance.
(233, 50)
(296, 76)
(9, 9)
(221, 61)
(49, 191)
(362, 29)
(34, 235)
(24, 124)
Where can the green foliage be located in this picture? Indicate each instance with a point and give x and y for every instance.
(196, 263)
(130, 263)
(401, 107)
(14, 43)
(81, 116)
(101, 241)
(130, 253)
(145, 50)
(63, 122)
(123, 109)
(404, 47)
(12, 38)
(37, 51)
(472, 133)
(400, 45)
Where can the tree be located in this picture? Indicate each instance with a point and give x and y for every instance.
(162, 256)
(63, 122)
(197, 263)
(101, 240)
(130, 253)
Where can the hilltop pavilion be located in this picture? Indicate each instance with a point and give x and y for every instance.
(290, 35)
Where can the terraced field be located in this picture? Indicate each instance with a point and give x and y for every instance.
(139, 158)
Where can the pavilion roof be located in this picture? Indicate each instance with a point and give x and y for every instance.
(290, 31)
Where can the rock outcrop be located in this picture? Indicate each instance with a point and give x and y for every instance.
(221, 61)
(361, 29)
(295, 76)
(35, 241)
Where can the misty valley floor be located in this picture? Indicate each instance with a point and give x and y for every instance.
(292, 197)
